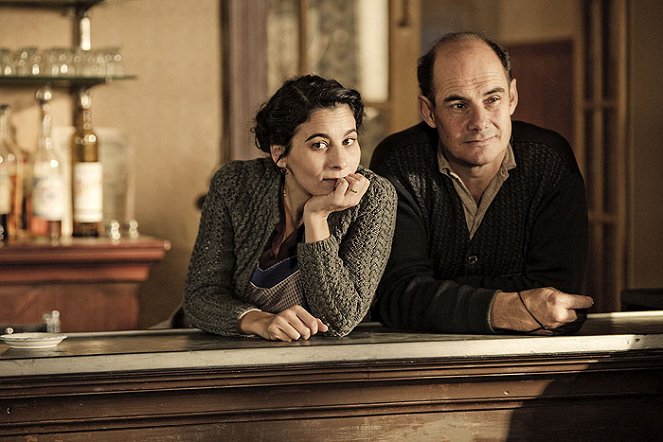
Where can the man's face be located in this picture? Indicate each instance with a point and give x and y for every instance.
(474, 102)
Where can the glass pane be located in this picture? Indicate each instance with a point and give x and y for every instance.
(344, 40)
(612, 161)
(282, 42)
(373, 47)
(331, 44)
(591, 180)
(349, 41)
(375, 129)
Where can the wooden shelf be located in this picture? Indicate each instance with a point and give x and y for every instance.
(59, 82)
(93, 282)
(80, 259)
(51, 4)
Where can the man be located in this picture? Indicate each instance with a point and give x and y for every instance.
(492, 225)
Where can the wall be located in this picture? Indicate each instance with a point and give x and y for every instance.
(508, 21)
(538, 20)
(171, 113)
(646, 113)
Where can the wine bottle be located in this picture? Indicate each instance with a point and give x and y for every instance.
(87, 173)
(10, 193)
(48, 188)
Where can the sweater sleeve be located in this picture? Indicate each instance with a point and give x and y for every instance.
(342, 274)
(409, 295)
(208, 300)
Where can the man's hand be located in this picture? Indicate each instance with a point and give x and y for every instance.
(542, 310)
(291, 324)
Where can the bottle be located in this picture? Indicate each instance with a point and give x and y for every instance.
(26, 192)
(87, 174)
(48, 180)
(10, 192)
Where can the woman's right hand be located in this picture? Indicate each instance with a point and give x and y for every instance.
(291, 324)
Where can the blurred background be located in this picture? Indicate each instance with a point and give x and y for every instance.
(589, 69)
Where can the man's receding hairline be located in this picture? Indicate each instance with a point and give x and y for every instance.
(463, 39)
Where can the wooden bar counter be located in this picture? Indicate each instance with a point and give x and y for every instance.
(92, 282)
(606, 383)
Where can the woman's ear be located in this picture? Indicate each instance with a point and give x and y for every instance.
(277, 155)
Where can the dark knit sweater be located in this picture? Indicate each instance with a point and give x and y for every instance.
(534, 233)
(240, 213)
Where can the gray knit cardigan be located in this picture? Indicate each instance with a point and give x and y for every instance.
(240, 212)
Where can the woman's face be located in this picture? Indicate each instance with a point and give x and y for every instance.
(323, 149)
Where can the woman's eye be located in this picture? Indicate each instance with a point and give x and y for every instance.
(319, 145)
(349, 141)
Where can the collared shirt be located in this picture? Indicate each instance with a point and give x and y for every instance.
(474, 213)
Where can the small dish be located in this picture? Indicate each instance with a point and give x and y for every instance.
(33, 340)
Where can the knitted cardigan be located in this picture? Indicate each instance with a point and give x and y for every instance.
(240, 213)
(534, 233)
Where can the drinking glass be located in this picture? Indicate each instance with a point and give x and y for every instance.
(6, 62)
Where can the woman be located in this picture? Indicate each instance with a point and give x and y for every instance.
(295, 243)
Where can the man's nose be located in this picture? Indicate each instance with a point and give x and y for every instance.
(479, 119)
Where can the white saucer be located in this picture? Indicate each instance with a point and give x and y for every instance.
(33, 340)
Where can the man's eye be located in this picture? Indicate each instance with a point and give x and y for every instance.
(494, 99)
(457, 106)
(349, 141)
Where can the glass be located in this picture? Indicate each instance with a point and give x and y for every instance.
(346, 41)
(59, 62)
(6, 62)
(282, 42)
(48, 190)
(331, 43)
(28, 62)
(112, 62)
(10, 179)
(62, 62)
(376, 125)
(86, 172)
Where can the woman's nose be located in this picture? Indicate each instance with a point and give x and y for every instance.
(337, 158)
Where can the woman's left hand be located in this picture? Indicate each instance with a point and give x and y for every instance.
(347, 193)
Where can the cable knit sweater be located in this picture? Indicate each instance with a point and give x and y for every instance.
(534, 233)
(240, 213)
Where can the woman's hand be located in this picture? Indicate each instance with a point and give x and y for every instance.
(291, 324)
(347, 193)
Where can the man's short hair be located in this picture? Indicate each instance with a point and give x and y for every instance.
(427, 61)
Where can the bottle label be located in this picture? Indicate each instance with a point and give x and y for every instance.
(5, 194)
(48, 196)
(88, 193)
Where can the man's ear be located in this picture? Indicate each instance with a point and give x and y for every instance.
(426, 109)
(513, 97)
(277, 155)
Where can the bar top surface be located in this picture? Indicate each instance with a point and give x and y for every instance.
(192, 349)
